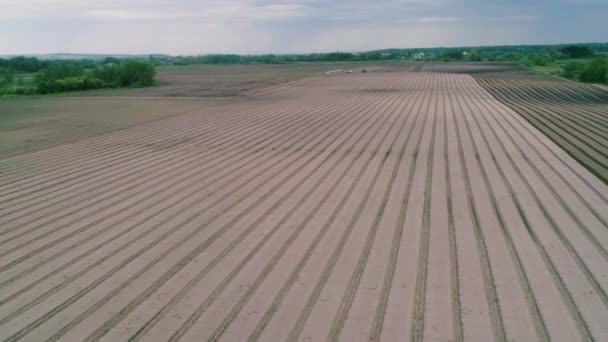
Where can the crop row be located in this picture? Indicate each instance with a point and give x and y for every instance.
(573, 115)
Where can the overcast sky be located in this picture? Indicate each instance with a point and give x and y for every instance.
(270, 26)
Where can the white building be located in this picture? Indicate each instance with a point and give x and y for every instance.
(419, 55)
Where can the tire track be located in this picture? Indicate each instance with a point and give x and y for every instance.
(593, 157)
(454, 268)
(489, 283)
(354, 283)
(568, 298)
(196, 160)
(418, 311)
(533, 307)
(380, 311)
(234, 312)
(76, 210)
(104, 329)
(590, 236)
(215, 236)
(293, 276)
(566, 295)
(299, 325)
(183, 209)
(134, 226)
(211, 140)
(165, 127)
(559, 174)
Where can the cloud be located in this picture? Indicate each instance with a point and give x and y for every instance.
(437, 20)
(260, 26)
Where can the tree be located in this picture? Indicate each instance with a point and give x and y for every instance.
(59, 70)
(25, 64)
(7, 77)
(574, 51)
(573, 70)
(134, 72)
(111, 60)
(452, 55)
(526, 62)
(595, 71)
(541, 60)
(109, 74)
(473, 56)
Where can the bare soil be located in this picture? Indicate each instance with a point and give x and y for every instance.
(30, 124)
(317, 210)
(235, 80)
(574, 115)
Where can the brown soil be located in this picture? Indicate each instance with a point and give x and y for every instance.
(573, 115)
(314, 211)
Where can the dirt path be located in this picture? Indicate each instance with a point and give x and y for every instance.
(381, 206)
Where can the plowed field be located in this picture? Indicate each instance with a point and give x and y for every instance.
(573, 115)
(381, 206)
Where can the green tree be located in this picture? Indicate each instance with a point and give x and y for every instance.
(59, 70)
(7, 77)
(108, 74)
(541, 60)
(474, 56)
(452, 55)
(111, 60)
(573, 70)
(574, 51)
(526, 62)
(595, 71)
(134, 72)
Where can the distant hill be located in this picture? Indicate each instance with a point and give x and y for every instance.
(68, 56)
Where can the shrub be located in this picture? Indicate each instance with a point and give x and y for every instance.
(526, 62)
(133, 72)
(595, 71)
(573, 70)
(541, 60)
(7, 77)
(57, 71)
(70, 84)
(17, 90)
(452, 55)
(577, 51)
(108, 74)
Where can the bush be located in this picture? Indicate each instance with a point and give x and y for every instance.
(541, 60)
(70, 84)
(595, 71)
(57, 71)
(7, 77)
(108, 74)
(474, 57)
(577, 52)
(134, 72)
(17, 90)
(573, 70)
(452, 55)
(526, 62)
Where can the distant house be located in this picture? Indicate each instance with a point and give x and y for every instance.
(419, 55)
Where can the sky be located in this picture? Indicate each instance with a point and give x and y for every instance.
(189, 27)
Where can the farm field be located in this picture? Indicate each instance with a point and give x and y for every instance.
(356, 207)
(30, 124)
(33, 124)
(574, 115)
(209, 80)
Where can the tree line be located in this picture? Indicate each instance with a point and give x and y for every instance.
(582, 63)
(540, 54)
(272, 58)
(29, 75)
